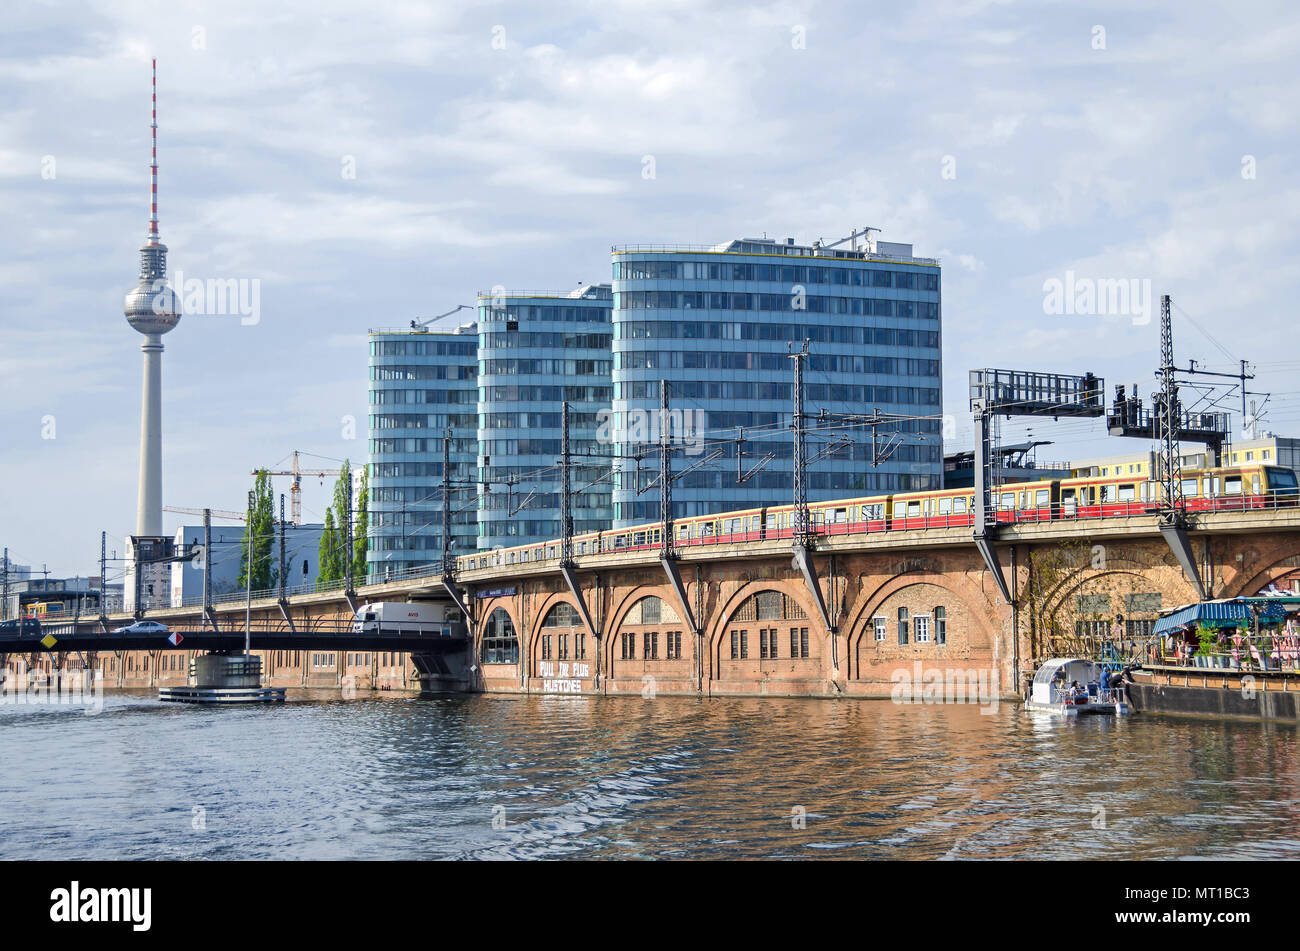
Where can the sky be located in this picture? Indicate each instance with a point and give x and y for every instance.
(364, 164)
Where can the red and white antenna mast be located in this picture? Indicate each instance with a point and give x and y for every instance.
(153, 164)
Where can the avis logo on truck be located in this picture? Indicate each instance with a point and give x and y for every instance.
(413, 617)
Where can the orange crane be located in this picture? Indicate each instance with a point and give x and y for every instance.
(295, 491)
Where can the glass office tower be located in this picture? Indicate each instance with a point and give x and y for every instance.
(420, 384)
(719, 323)
(536, 351)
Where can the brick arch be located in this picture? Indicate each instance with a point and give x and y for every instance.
(721, 619)
(1263, 577)
(535, 635)
(867, 604)
(609, 637)
(489, 608)
(1061, 594)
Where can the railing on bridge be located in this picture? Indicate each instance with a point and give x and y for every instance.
(646, 537)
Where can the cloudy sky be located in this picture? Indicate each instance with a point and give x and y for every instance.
(368, 163)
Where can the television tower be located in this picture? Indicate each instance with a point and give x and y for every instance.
(152, 309)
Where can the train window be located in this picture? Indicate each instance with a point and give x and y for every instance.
(914, 508)
(1254, 484)
(1232, 485)
(1042, 497)
(1127, 493)
(1108, 493)
(683, 531)
(707, 529)
(958, 506)
(945, 506)
(900, 508)
(1190, 486)
(1214, 486)
(734, 525)
(638, 538)
(1008, 500)
(840, 516)
(875, 511)
(1281, 479)
(1067, 495)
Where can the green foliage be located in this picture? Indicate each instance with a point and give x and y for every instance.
(1206, 640)
(329, 562)
(362, 522)
(260, 524)
(335, 555)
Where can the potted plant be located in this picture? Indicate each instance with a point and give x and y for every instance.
(1205, 642)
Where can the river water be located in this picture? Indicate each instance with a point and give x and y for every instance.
(485, 777)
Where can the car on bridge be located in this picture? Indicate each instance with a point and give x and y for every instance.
(142, 627)
(23, 627)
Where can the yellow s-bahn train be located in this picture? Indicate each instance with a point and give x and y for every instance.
(1228, 488)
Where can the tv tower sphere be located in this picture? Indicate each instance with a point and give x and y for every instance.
(152, 309)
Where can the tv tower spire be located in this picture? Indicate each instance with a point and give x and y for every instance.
(152, 309)
(153, 163)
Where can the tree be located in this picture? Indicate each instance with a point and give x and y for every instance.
(328, 563)
(259, 522)
(335, 556)
(362, 521)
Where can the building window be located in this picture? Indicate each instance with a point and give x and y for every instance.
(629, 646)
(882, 627)
(546, 647)
(580, 647)
(798, 642)
(921, 628)
(763, 652)
(941, 625)
(651, 642)
(739, 645)
(1139, 627)
(673, 645)
(500, 645)
(564, 646)
(902, 625)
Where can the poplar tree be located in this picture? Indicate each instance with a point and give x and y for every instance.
(327, 563)
(259, 521)
(362, 522)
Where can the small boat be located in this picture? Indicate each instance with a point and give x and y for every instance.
(1071, 687)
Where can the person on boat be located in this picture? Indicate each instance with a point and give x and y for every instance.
(1105, 681)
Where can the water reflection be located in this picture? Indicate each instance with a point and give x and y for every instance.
(510, 777)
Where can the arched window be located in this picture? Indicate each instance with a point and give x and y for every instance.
(940, 625)
(653, 611)
(562, 615)
(500, 644)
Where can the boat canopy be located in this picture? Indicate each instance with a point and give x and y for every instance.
(1223, 613)
(1048, 671)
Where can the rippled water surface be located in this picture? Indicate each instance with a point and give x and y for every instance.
(633, 778)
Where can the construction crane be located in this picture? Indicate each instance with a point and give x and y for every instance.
(215, 513)
(820, 245)
(422, 323)
(295, 491)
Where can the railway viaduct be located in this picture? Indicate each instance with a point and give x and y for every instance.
(744, 619)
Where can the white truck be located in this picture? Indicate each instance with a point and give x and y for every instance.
(407, 617)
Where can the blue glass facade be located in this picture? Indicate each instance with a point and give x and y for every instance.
(420, 383)
(537, 351)
(718, 324)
